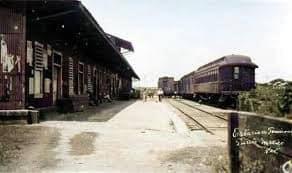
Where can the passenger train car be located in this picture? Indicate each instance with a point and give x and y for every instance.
(220, 80)
(167, 85)
(186, 89)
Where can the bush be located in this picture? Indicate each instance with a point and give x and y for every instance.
(273, 98)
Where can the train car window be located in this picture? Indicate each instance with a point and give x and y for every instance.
(236, 73)
(216, 75)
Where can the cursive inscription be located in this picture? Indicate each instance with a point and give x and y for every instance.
(262, 138)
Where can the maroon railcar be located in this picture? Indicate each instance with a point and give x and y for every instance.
(221, 79)
(186, 88)
(167, 85)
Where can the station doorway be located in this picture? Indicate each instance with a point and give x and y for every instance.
(57, 76)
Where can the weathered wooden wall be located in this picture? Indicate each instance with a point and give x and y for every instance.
(97, 78)
(12, 64)
(28, 65)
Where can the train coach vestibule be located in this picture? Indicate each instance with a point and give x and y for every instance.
(236, 72)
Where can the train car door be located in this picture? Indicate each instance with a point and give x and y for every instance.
(236, 79)
(57, 76)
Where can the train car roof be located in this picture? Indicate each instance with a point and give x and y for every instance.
(227, 60)
(187, 75)
(165, 77)
(230, 60)
(238, 59)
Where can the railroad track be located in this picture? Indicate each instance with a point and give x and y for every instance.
(199, 119)
(210, 113)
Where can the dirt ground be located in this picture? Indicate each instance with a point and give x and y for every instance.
(23, 144)
(83, 143)
(199, 157)
(119, 137)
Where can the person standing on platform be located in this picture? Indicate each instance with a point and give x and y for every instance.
(159, 93)
(144, 95)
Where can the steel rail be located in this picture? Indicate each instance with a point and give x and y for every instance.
(212, 114)
(187, 115)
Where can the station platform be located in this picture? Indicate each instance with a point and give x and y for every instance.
(150, 115)
(132, 136)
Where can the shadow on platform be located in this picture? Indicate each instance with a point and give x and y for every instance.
(101, 113)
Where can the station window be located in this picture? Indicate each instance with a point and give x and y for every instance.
(38, 76)
(38, 67)
(236, 73)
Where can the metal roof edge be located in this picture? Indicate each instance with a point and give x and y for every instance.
(97, 26)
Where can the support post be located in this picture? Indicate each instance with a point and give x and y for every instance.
(233, 149)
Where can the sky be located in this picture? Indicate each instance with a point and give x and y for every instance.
(173, 38)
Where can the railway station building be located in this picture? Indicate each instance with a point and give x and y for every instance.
(54, 53)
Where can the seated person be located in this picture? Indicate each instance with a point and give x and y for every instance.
(107, 97)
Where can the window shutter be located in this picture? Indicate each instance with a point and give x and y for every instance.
(38, 56)
(89, 83)
(70, 77)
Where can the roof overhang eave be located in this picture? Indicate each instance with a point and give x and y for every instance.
(99, 29)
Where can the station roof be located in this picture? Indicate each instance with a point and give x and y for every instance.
(121, 43)
(72, 22)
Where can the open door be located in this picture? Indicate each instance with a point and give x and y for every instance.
(57, 76)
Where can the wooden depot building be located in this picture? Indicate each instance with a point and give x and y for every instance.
(54, 53)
